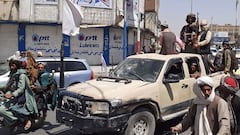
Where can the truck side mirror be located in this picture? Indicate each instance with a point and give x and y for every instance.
(171, 78)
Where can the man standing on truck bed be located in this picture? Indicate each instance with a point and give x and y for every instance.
(228, 59)
(203, 44)
(187, 33)
(169, 41)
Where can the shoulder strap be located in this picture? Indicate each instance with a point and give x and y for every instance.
(16, 77)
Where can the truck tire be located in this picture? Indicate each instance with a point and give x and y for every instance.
(142, 122)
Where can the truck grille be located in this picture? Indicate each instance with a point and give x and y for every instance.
(74, 103)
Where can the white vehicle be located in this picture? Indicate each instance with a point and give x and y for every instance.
(237, 52)
(140, 91)
(4, 72)
(214, 51)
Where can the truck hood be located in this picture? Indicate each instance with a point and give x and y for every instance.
(108, 89)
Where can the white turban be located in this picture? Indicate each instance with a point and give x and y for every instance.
(203, 22)
(205, 80)
(201, 124)
(200, 96)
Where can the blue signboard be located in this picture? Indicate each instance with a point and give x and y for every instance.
(220, 39)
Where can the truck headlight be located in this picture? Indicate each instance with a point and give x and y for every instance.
(115, 102)
(98, 107)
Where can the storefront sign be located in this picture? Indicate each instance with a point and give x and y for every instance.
(46, 1)
(88, 45)
(95, 3)
(40, 39)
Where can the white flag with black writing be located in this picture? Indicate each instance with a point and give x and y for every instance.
(72, 16)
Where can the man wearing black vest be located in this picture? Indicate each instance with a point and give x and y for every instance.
(203, 44)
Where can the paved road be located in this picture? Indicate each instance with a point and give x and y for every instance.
(51, 127)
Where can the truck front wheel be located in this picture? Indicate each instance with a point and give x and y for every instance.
(142, 122)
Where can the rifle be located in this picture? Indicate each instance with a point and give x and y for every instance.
(195, 34)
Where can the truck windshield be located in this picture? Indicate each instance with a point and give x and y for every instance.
(139, 69)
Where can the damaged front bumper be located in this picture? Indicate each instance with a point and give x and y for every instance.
(92, 124)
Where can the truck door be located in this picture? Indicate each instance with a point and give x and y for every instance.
(177, 87)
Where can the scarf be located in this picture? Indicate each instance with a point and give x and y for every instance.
(201, 124)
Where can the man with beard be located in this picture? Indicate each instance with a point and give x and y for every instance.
(228, 59)
(41, 90)
(189, 32)
(209, 114)
(21, 104)
(204, 42)
(229, 91)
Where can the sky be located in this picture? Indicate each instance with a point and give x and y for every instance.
(173, 12)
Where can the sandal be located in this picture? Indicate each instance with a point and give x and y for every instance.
(28, 125)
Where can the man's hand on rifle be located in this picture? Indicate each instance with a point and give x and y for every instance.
(195, 45)
(8, 95)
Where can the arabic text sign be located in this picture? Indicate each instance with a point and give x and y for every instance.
(46, 1)
(95, 3)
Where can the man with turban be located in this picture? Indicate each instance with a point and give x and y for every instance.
(229, 91)
(209, 114)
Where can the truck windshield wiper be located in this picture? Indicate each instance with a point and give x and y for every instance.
(117, 79)
(136, 75)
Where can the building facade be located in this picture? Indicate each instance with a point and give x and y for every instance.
(230, 32)
(36, 26)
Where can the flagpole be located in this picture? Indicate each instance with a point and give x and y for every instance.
(125, 31)
(61, 81)
(191, 6)
(61, 64)
(236, 30)
(138, 30)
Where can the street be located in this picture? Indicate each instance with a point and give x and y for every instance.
(51, 127)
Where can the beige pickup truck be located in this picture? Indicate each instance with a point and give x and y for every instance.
(140, 91)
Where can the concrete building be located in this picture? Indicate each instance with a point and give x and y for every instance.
(232, 32)
(36, 25)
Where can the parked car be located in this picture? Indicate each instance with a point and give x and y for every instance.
(75, 70)
(4, 72)
(140, 91)
(237, 52)
(214, 51)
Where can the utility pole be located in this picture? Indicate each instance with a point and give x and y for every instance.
(236, 25)
(138, 29)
